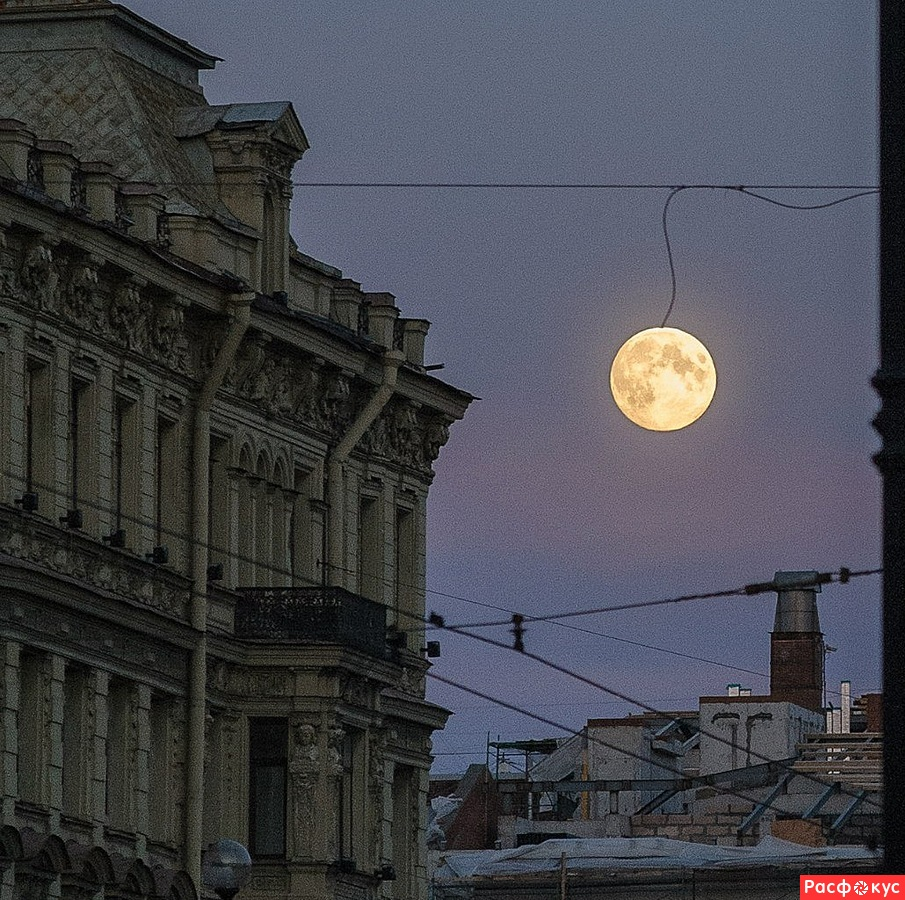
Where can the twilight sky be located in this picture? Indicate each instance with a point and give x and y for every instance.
(546, 498)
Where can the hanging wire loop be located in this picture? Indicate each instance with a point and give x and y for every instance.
(748, 192)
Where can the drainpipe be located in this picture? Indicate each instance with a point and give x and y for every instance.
(239, 306)
(392, 360)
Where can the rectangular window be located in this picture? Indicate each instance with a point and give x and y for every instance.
(405, 568)
(403, 827)
(79, 444)
(369, 556)
(218, 519)
(127, 469)
(32, 728)
(39, 433)
(160, 793)
(119, 755)
(245, 537)
(350, 817)
(263, 562)
(300, 555)
(267, 753)
(169, 516)
(76, 741)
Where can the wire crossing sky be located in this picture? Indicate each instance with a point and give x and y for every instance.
(502, 169)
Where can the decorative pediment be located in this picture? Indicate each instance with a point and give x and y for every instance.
(276, 121)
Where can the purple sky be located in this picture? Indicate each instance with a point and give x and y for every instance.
(546, 498)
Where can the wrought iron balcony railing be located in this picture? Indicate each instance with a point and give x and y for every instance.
(313, 615)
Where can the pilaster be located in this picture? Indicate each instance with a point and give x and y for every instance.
(141, 784)
(56, 671)
(98, 688)
(10, 652)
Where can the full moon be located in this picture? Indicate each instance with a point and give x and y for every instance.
(663, 379)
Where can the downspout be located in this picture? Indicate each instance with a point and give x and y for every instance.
(239, 306)
(392, 360)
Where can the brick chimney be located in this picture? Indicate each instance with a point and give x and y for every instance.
(796, 643)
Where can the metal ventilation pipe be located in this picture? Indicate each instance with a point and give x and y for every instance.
(797, 651)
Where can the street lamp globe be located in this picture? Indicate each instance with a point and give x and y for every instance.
(225, 868)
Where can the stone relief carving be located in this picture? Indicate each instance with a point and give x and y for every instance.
(335, 737)
(92, 567)
(39, 277)
(281, 164)
(128, 316)
(356, 691)
(435, 437)
(168, 335)
(307, 381)
(242, 374)
(407, 433)
(7, 268)
(217, 675)
(82, 302)
(403, 422)
(232, 757)
(333, 769)
(377, 787)
(304, 772)
(267, 683)
(336, 403)
(75, 284)
(301, 390)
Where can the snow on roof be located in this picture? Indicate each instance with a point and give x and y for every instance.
(639, 853)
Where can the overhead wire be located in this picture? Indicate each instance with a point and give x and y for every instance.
(625, 751)
(620, 695)
(748, 191)
(434, 620)
(864, 190)
(539, 185)
(580, 185)
(422, 623)
(843, 575)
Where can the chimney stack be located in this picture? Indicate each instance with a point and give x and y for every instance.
(796, 643)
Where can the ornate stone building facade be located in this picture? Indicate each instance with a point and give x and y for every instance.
(215, 454)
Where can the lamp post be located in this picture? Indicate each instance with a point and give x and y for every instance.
(890, 423)
(225, 868)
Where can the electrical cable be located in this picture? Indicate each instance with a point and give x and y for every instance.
(422, 622)
(532, 185)
(578, 185)
(842, 576)
(459, 629)
(748, 191)
(181, 535)
(513, 707)
(590, 682)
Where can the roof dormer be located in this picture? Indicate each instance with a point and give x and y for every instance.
(253, 148)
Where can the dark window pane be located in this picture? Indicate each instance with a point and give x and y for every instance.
(268, 739)
(269, 805)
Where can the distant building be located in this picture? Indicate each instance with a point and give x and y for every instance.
(735, 769)
(214, 467)
(463, 811)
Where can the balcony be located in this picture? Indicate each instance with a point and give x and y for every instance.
(313, 615)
